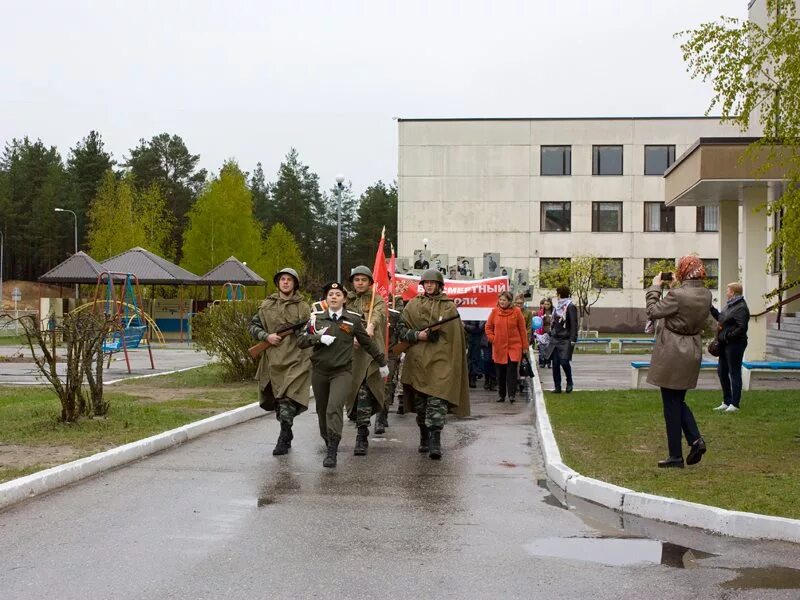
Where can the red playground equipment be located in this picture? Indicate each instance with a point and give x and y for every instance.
(124, 305)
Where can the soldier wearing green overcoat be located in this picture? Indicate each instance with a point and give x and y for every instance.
(368, 391)
(284, 370)
(435, 365)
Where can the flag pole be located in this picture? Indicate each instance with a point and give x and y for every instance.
(372, 300)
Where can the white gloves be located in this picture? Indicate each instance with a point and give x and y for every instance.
(326, 339)
(384, 371)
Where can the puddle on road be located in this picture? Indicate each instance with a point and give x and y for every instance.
(764, 578)
(617, 552)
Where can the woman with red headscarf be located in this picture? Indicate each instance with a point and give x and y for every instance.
(677, 353)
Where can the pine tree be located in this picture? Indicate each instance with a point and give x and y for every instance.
(86, 165)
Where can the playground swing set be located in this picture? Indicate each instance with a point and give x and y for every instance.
(122, 301)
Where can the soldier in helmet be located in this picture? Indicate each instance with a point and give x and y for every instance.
(368, 391)
(284, 368)
(435, 365)
(330, 333)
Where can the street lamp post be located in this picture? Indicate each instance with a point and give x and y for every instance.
(76, 237)
(339, 190)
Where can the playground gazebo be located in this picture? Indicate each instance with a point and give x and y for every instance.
(151, 269)
(231, 273)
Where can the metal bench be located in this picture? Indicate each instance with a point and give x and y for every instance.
(639, 369)
(595, 342)
(635, 342)
(771, 368)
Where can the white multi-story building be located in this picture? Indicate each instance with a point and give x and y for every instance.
(539, 190)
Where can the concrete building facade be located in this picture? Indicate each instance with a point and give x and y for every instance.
(537, 190)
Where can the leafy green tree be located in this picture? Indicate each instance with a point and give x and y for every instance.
(87, 163)
(221, 224)
(166, 160)
(260, 189)
(586, 275)
(377, 208)
(755, 73)
(33, 183)
(281, 250)
(121, 218)
(298, 204)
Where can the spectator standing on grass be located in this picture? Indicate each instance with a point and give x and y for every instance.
(506, 332)
(563, 336)
(677, 353)
(732, 323)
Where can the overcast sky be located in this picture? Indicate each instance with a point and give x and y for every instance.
(250, 79)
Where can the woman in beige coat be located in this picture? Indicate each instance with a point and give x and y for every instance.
(677, 353)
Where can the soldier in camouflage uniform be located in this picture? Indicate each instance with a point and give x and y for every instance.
(284, 368)
(435, 364)
(331, 333)
(368, 392)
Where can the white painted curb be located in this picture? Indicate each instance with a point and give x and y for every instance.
(659, 508)
(32, 485)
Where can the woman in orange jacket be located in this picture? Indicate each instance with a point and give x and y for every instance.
(507, 334)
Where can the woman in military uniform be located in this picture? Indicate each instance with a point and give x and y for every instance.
(283, 371)
(435, 365)
(331, 333)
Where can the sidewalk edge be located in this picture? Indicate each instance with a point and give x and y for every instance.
(659, 508)
(35, 484)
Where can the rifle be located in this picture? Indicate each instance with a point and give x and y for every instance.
(255, 351)
(401, 347)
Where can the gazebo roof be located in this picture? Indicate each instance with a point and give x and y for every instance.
(231, 271)
(149, 268)
(78, 268)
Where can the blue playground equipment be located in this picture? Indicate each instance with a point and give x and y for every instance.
(125, 307)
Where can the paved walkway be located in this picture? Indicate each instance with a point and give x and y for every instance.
(220, 517)
(166, 358)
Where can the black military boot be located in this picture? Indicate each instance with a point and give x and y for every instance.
(473, 381)
(362, 441)
(381, 422)
(284, 440)
(424, 437)
(333, 448)
(401, 409)
(436, 444)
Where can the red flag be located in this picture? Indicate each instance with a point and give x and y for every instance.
(380, 274)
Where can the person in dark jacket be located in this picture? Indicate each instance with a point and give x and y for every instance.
(563, 336)
(732, 335)
(474, 331)
(678, 352)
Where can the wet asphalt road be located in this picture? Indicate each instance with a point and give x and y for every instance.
(220, 517)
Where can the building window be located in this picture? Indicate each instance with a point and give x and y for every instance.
(657, 159)
(607, 216)
(556, 160)
(654, 266)
(556, 216)
(707, 218)
(611, 277)
(712, 272)
(550, 270)
(659, 217)
(606, 160)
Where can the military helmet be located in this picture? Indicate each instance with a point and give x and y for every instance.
(287, 271)
(432, 275)
(362, 270)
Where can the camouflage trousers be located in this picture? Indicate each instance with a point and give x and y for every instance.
(366, 405)
(287, 409)
(431, 411)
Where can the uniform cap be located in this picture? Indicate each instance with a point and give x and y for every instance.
(333, 285)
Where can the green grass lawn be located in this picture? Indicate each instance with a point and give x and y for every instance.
(753, 458)
(140, 408)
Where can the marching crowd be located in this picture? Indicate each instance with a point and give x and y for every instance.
(337, 347)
